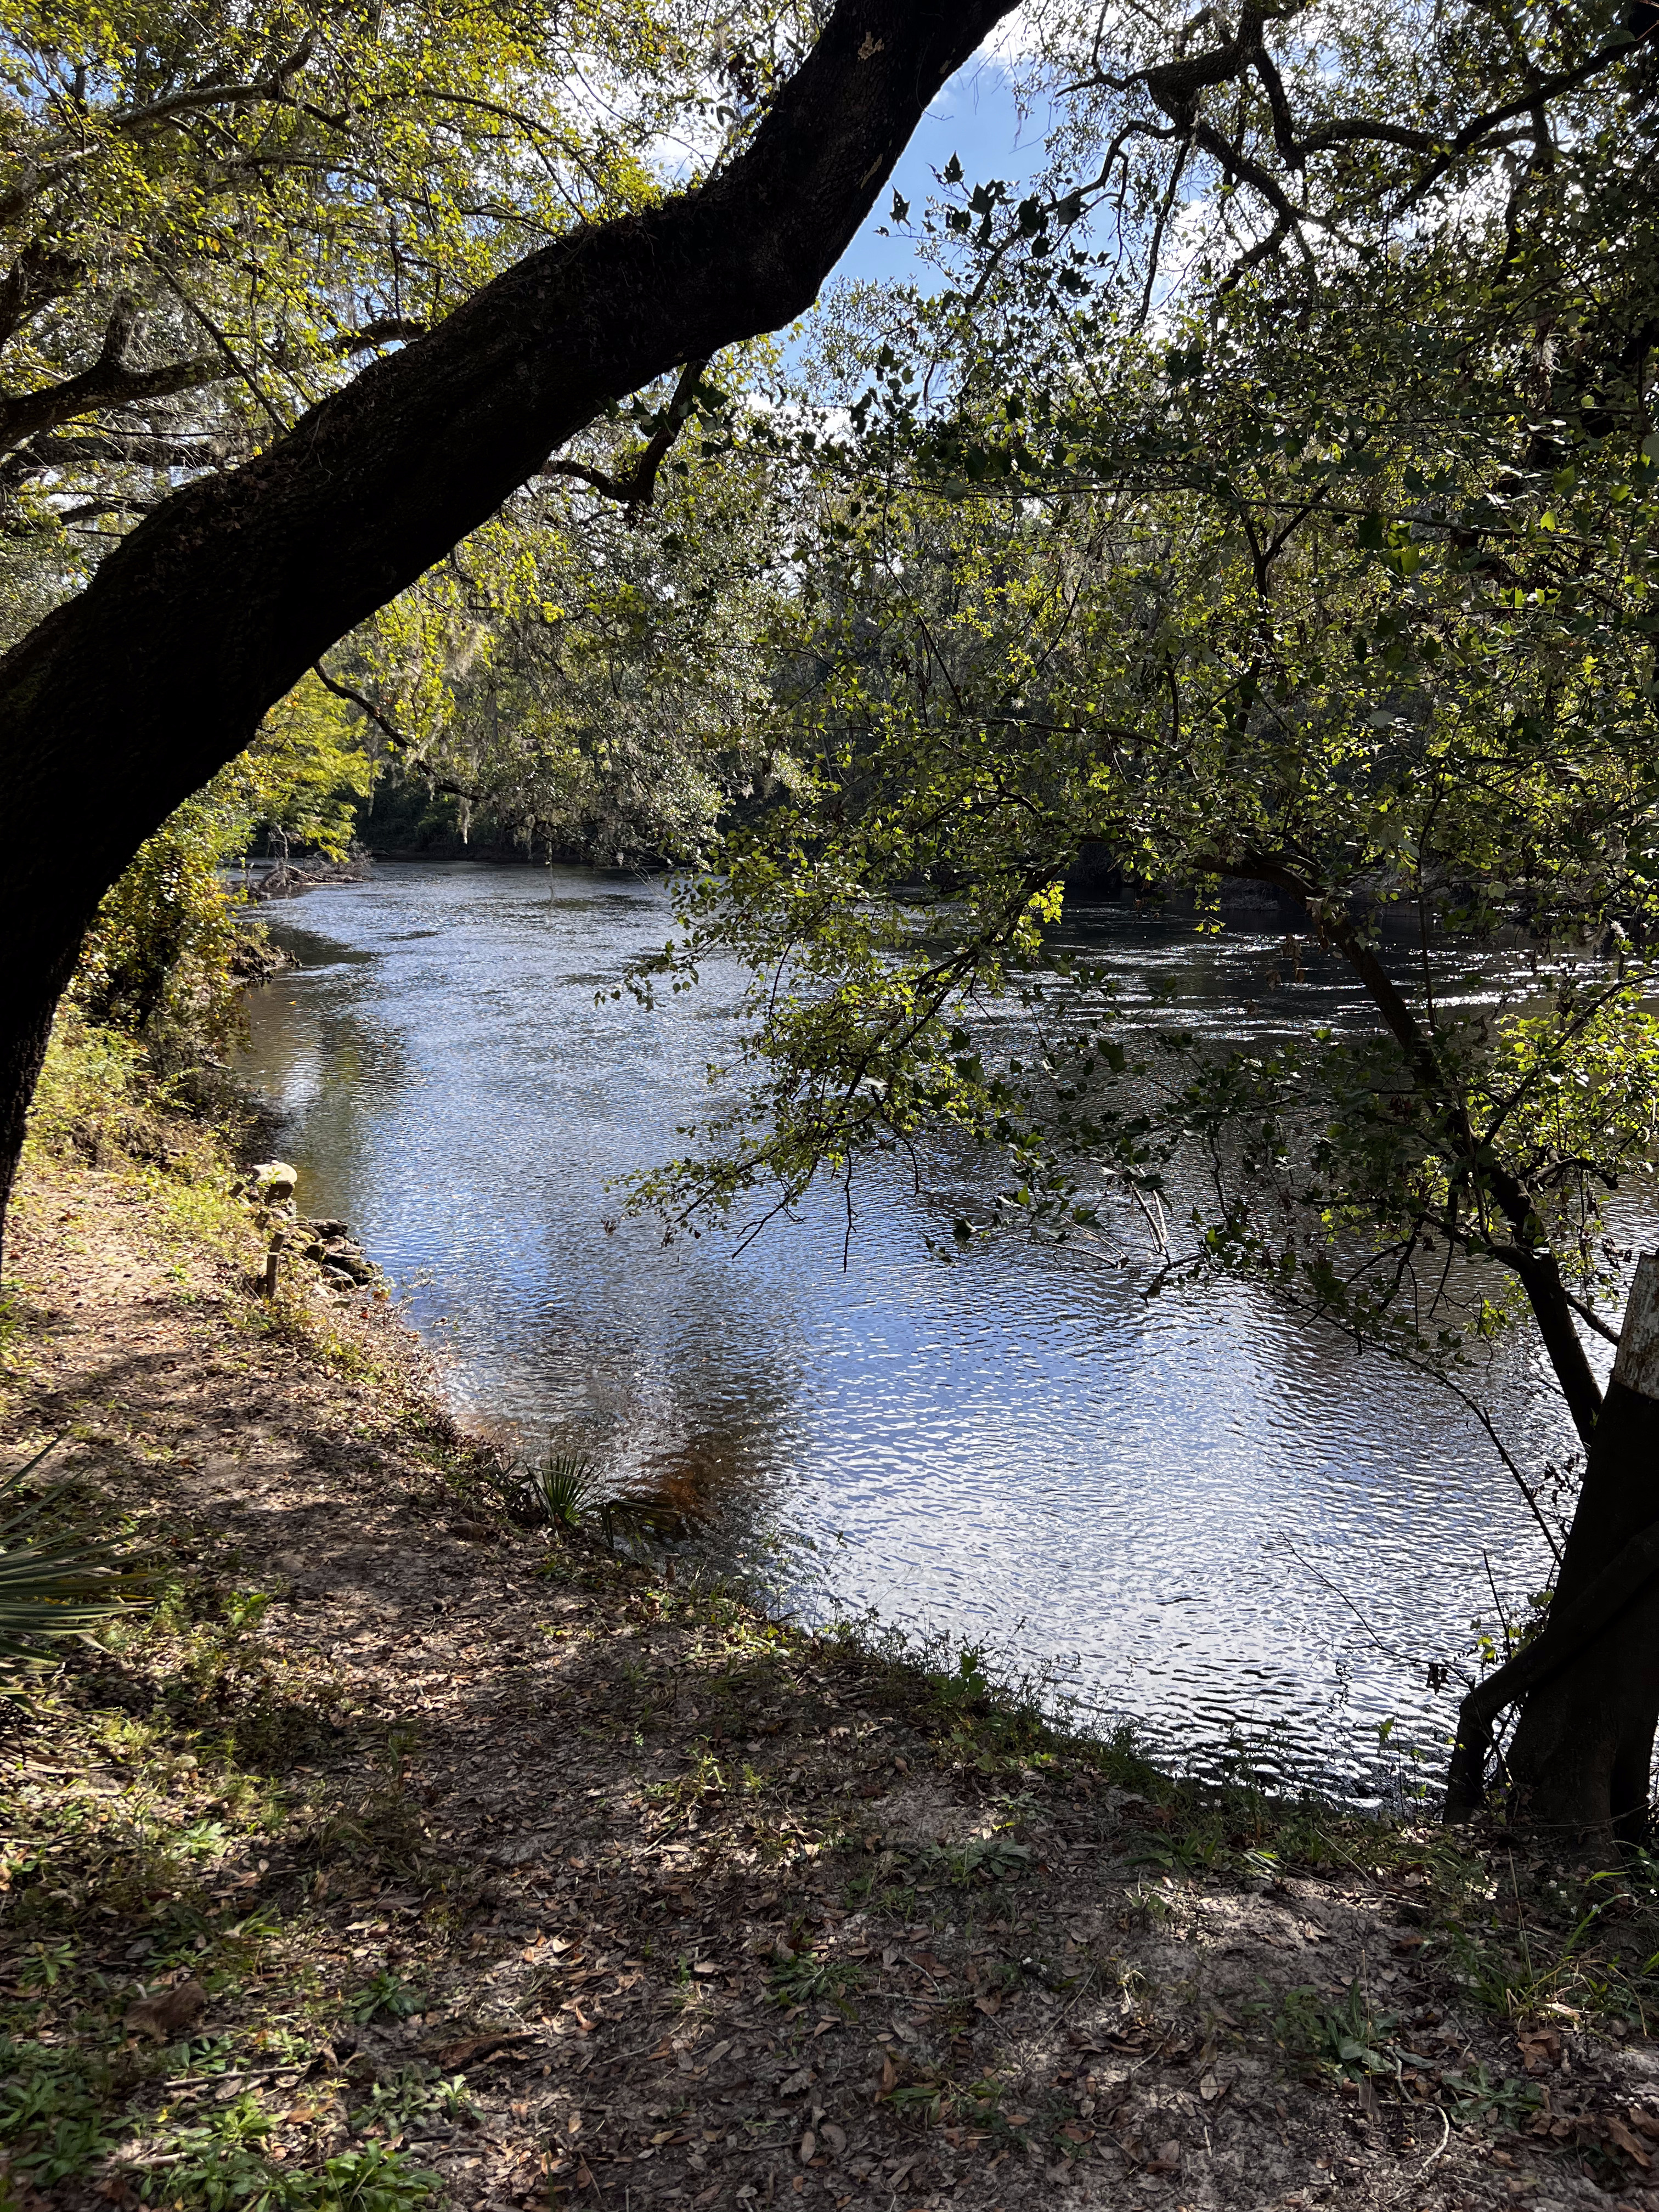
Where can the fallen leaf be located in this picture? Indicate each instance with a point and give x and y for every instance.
(809, 2144)
(989, 2005)
(1626, 2142)
(165, 2013)
(475, 2047)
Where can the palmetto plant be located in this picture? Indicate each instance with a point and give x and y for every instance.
(53, 1587)
(565, 1486)
(565, 1491)
(556, 1492)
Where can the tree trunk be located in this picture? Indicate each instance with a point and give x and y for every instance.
(1583, 1753)
(128, 697)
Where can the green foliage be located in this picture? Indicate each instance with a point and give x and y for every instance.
(52, 2121)
(803, 1978)
(215, 219)
(413, 2093)
(387, 1992)
(162, 954)
(557, 1491)
(1351, 2042)
(55, 1586)
(592, 678)
(222, 2166)
(216, 216)
(967, 1686)
(1333, 579)
(980, 1859)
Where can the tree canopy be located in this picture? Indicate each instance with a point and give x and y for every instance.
(212, 218)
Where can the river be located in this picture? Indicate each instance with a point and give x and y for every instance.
(1221, 1524)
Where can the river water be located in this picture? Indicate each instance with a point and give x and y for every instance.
(1219, 1523)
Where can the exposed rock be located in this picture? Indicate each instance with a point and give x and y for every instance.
(272, 1180)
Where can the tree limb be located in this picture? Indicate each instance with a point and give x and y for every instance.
(638, 488)
(131, 694)
(384, 723)
(108, 383)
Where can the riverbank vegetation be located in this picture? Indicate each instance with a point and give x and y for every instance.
(1327, 571)
(1266, 495)
(396, 1854)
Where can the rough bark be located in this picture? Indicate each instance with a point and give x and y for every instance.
(124, 700)
(1582, 1758)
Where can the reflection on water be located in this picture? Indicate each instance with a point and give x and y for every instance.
(1211, 1517)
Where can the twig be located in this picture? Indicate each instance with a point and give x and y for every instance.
(1325, 1583)
(1508, 1633)
(1445, 2137)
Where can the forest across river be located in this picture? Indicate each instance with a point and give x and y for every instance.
(1202, 1515)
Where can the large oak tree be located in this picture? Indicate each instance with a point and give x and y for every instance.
(127, 698)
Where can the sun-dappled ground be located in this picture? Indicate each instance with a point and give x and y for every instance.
(400, 1850)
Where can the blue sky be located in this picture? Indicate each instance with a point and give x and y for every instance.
(975, 119)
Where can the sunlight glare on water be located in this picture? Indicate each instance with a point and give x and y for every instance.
(1203, 1515)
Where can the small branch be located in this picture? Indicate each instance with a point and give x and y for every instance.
(638, 488)
(108, 383)
(236, 366)
(384, 723)
(1592, 1319)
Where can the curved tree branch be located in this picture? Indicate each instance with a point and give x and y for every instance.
(110, 382)
(129, 696)
(638, 488)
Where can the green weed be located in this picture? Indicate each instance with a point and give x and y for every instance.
(1349, 2042)
(805, 1977)
(52, 2121)
(409, 2095)
(387, 1992)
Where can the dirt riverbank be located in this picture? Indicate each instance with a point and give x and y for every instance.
(401, 1854)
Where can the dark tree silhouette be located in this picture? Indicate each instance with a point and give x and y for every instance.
(128, 697)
